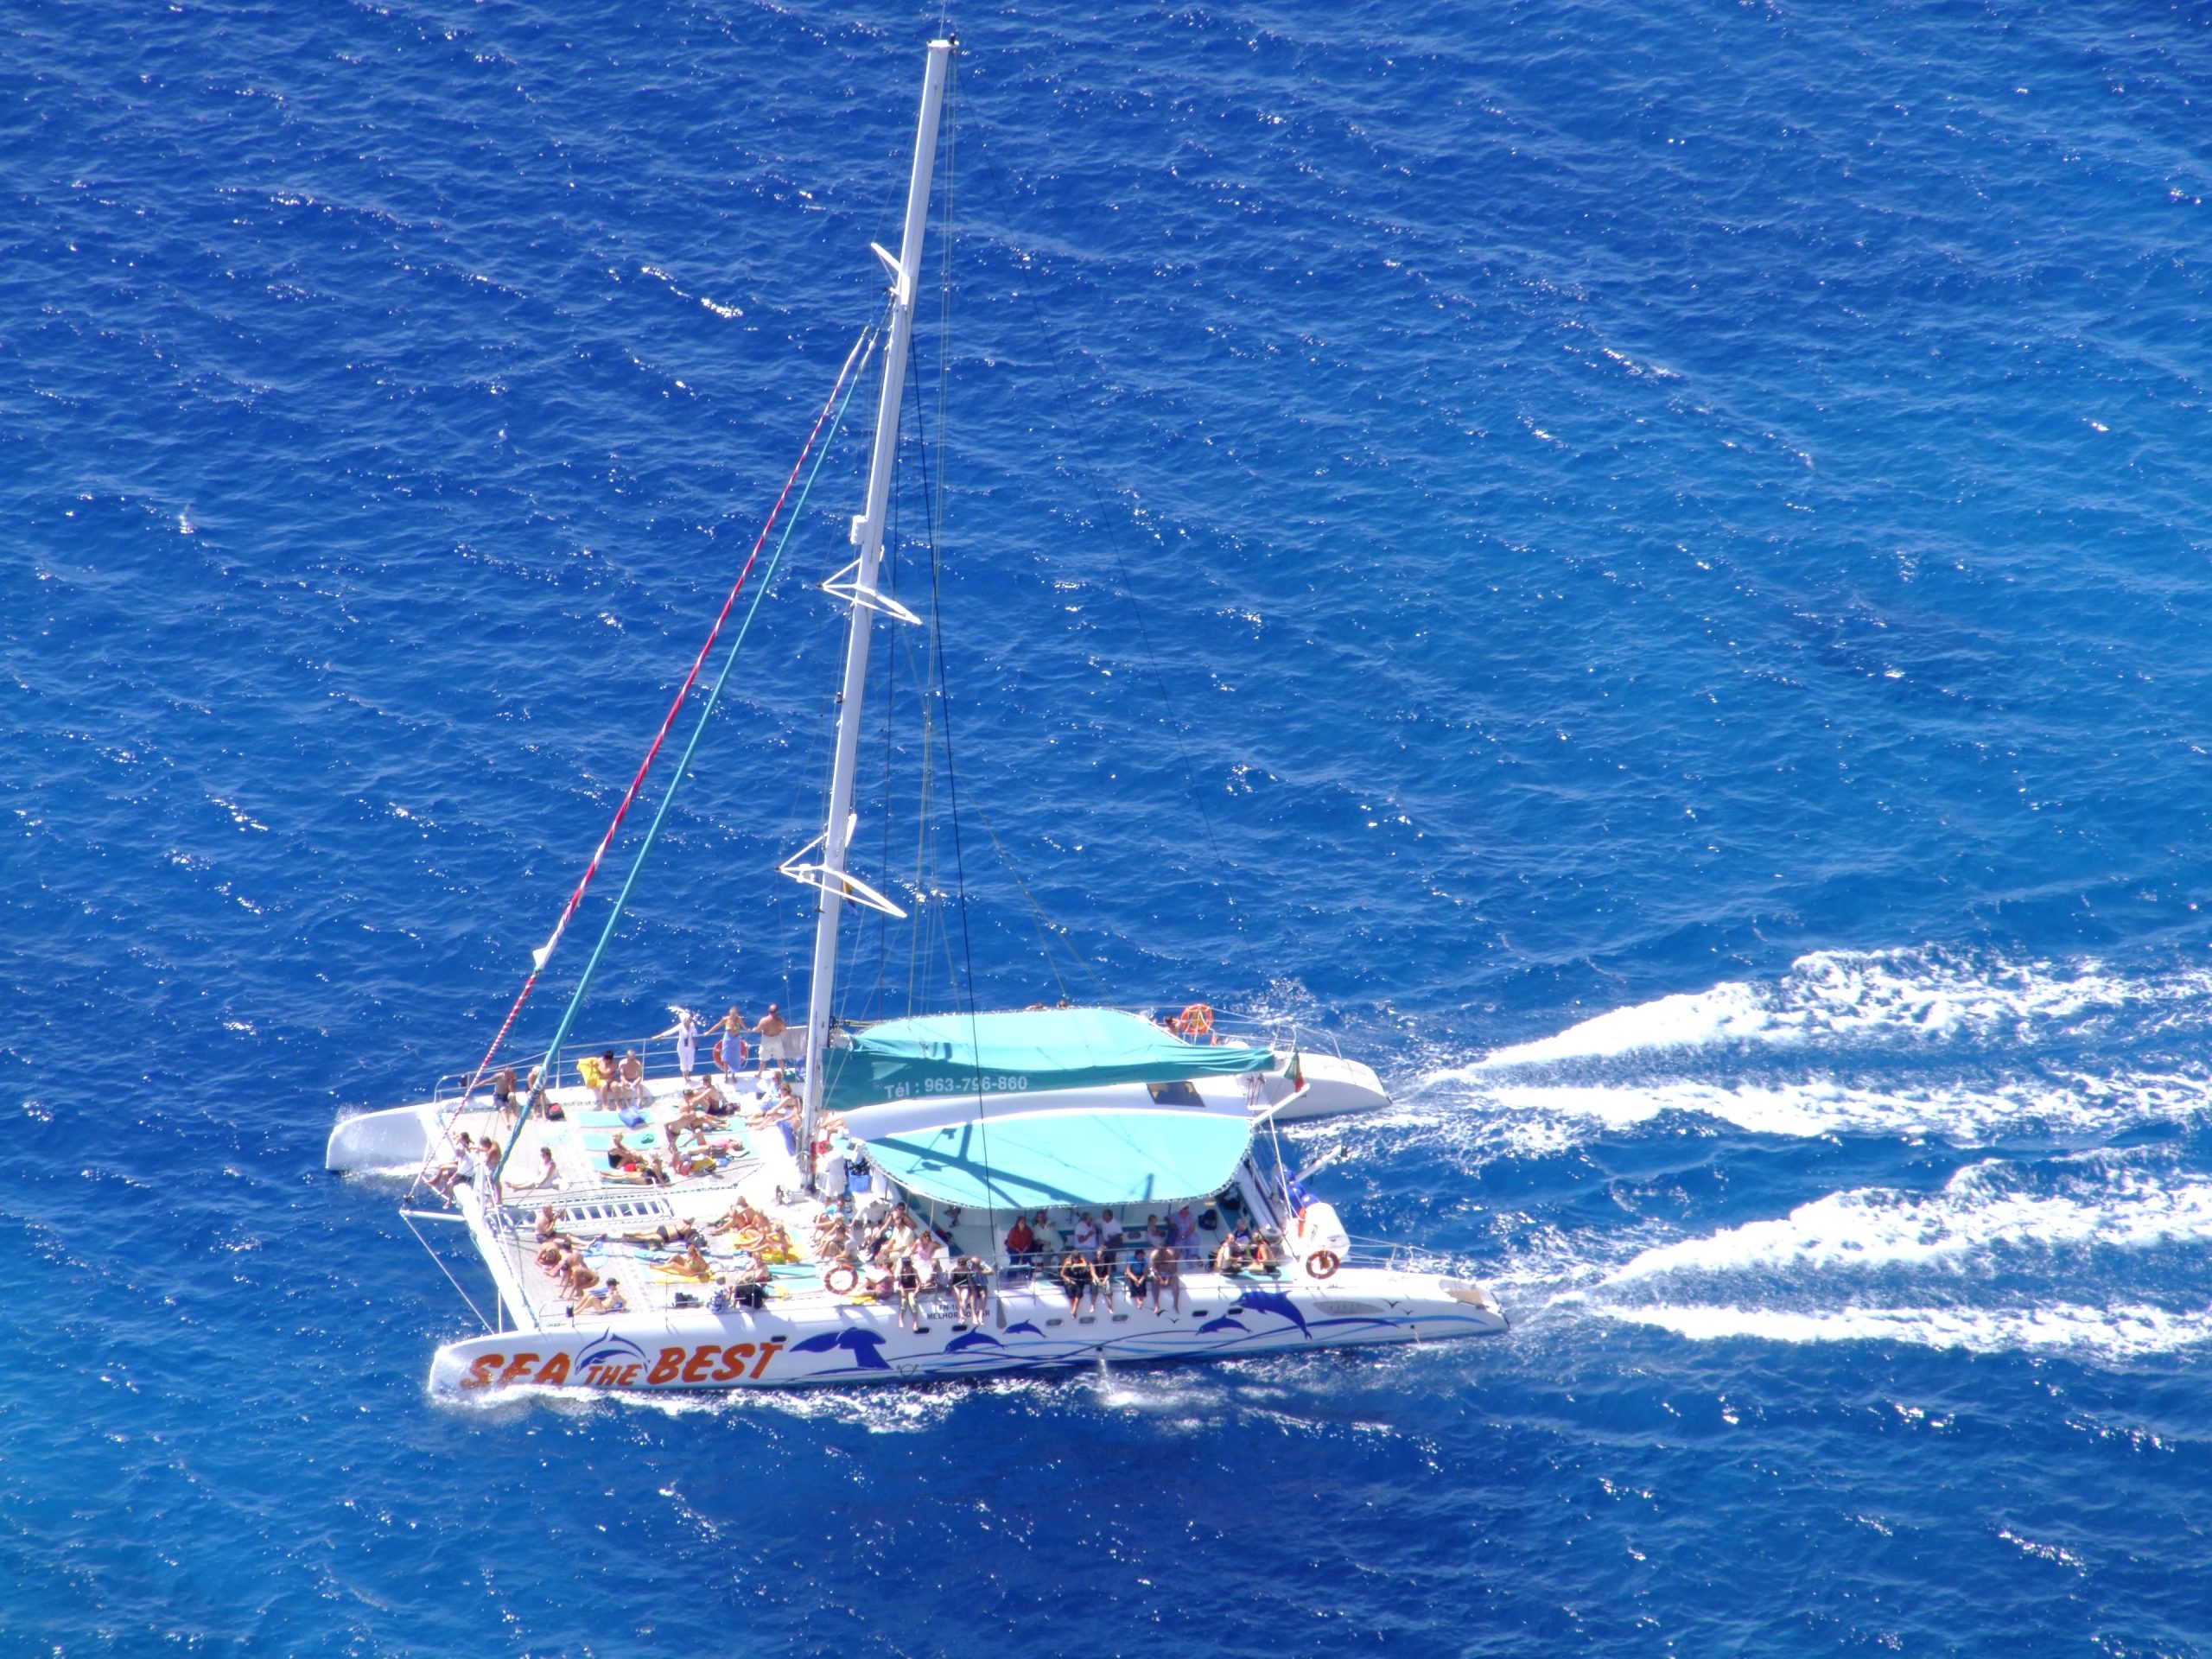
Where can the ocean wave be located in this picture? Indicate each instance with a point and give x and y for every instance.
(2134, 1331)
(1835, 997)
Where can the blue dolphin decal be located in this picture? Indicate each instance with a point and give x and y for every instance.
(1274, 1301)
(973, 1339)
(1023, 1324)
(612, 1349)
(1224, 1323)
(865, 1347)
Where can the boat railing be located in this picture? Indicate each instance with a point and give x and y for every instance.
(1258, 1029)
(656, 1053)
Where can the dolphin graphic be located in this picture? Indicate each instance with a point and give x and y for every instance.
(865, 1346)
(973, 1339)
(1224, 1323)
(1023, 1324)
(1274, 1301)
(618, 1350)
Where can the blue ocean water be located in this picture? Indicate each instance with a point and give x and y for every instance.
(1647, 566)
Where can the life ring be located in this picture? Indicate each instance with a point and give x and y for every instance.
(851, 1275)
(750, 1238)
(1322, 1264)
(1198, 1021)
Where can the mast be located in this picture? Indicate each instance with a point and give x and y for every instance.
(856, 584)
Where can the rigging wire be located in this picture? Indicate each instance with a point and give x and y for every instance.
(833, 411)
(540, 957)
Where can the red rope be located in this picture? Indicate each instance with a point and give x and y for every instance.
(667, 722)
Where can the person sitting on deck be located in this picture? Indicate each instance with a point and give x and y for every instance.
(1020, 1242)
(1076, 1279)
(1263, 1254)
(609, 1300)
(749, 1224)
(576, 1274)
(778, 1247)
(971, 1288)
(1235, 1253)
(549, 1225)
(553, 1254)
(1086, 1232)
(599, 1075)
(630, 1079)
(502, 1092)
(907, 1277)
(1156, 1233)
(692, 1264)
(1105, 1273)
(487, 1163)
(1109, 1228)
(1137, 1270)
(747, 1285)
(1166, 1275)
(549, 1174)
(929, 1260)
(621, 1155)
(541, 1097)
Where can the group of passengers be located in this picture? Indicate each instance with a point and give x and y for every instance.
(561, 1256)
(897, 1257)
(1102, 1259)
(778, 1046)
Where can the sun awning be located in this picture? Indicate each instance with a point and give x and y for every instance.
(1018, 1053)
(1028, 1161)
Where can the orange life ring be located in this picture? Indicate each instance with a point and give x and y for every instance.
(1198, 1021)
(852, 1278)
(1322, 1264)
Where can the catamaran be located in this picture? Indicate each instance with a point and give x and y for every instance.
(942, 1195)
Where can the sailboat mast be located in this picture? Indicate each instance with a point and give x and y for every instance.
(868, 538)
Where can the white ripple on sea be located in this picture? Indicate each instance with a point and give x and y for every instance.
(1988, 1216)
(1834, 997)
(1983, 1208)
(2131, 1332)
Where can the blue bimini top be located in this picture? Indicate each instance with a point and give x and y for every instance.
(1037, 1160)
(1035, 1050)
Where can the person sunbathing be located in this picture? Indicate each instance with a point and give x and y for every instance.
(692, 1264)
(609, 1300)
(666, 1236)
(778, 1247)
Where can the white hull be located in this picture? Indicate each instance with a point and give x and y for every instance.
(818, 1344)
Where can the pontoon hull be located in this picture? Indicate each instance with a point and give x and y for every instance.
(1029, 1330)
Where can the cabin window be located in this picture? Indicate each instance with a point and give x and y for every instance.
(1174, 1094)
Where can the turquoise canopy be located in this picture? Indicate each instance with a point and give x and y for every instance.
(1031, 1161)
(955, 1054)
